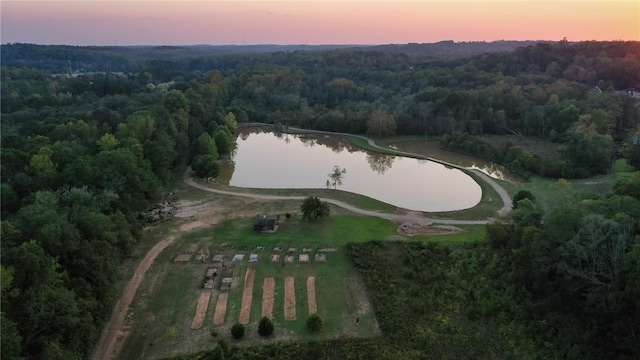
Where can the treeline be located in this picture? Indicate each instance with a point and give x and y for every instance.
(81, 160)
(60, 59)
(572, 94)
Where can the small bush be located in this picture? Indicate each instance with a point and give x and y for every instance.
(224, 345)
(265, 327)
(237, 331)
(314, 322)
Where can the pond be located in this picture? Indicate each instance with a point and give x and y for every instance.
(431, 148)
(265, 160)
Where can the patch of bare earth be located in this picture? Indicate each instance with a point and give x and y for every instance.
(201, 309)
(289, 299)
(221, 309)
(422, 227)
(268, 289)
(311, 295)
(247, 297)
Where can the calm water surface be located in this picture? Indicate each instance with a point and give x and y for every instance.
(264, 160)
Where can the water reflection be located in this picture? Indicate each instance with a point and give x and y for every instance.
(380, 162)
(263, 160)
(432, 149)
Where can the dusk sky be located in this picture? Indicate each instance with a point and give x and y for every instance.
(239, 22)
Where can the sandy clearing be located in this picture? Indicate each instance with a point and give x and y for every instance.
(311, 294)
(201, 309)
(268, 290)
(247, 296)
(289, 299)
(221, 309)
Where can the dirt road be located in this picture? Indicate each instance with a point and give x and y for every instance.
(113, 335)
(394, 217)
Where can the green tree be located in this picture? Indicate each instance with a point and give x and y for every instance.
(595, 256)
(10, 339)
(312, 208)
(314, 322)
(218, 354)
(205, 166)
(140, 125)
(237, 331)
(521, 195)
(223, 140)
(231, 122)
(175, 101)
(628, 186)
(265, 326)
(204, 145)
(381, 123)
(107, 142)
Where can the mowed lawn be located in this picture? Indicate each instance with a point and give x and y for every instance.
(165, 304)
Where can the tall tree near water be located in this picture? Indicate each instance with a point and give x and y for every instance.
(381, 123)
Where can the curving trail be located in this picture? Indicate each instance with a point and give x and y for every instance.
(394, 217)
(112, 336)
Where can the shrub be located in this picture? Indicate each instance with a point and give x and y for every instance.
(265, 327)
(312, 208)
(237, 331)
(521, 195)
(205, 166)
(224, 345)
(314, 322)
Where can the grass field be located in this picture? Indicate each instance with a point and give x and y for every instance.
(548, 190)
(165, 304)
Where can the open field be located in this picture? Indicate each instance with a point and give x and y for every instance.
(163, 311)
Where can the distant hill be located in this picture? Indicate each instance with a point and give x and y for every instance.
(450, 49)
(64, 58)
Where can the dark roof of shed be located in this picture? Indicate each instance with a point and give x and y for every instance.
(264, 222)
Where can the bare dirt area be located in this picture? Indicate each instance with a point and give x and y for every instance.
(268, 291)
(247, 297)
(415, 228)
(289, 299)
(221, 309)
(201, 309)
(311, 295)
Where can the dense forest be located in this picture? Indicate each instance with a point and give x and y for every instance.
(85, 153)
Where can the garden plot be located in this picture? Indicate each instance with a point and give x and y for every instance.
(201, 309)
(311, 295)
(268, 293)
(247, 297)
(221, 309)
(289, 299)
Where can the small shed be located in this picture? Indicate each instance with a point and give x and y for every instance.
(265, 224)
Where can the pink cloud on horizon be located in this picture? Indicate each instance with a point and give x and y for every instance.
(313, 22)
